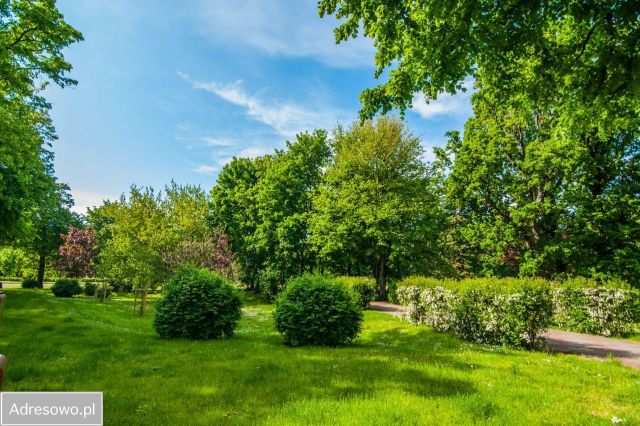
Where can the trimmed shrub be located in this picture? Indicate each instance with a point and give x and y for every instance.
(198, 304)
(578, 304)
(602, 310)
(90, 289)
(485, 314)
(364, 288)
(30, 283)
(66, 288)
(317, 310)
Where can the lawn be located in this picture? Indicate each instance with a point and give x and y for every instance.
(395, 373)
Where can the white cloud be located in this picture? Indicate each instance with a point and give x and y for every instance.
(206, 169)
(290, 28)
(446, 104)
(85, 199)
(217, 141)
(286, 118)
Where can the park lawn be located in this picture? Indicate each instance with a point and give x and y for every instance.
(395, 373)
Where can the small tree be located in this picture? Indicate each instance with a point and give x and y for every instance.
(77, 253)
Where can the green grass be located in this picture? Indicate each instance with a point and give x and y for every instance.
(394, 373)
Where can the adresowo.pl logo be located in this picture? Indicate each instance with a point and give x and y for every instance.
(51, 408)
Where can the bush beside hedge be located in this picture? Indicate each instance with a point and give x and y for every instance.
(198, 304)
(66, 288)
(317, 310)
(364, 288)
(483, 309)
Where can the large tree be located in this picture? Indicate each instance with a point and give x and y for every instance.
(376, 206)
(32, 36)
(545, 178)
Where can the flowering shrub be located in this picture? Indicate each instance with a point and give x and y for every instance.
(485, 314)
(515, 312)
(605, 311)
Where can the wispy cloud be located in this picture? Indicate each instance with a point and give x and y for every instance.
(206, 169)
(208, 141)
(446, 104)
(286, 118)
(289, 28)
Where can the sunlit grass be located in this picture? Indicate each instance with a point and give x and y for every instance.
(394, 373)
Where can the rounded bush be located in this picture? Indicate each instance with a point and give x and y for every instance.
(30, 283)
(316, 310)
(66, 288)
(198, 304)
(364, 288)
(90, 289)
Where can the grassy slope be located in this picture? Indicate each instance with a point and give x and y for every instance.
(393, 374)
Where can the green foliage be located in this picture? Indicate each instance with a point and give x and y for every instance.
(364, 287)
(597, 310)
(545, 179)
(579, 304)
(317, 310)
(33, 35)
(30, 283)
(375, 207)
(12, 262)
(514, 316)
(66, 288)
(198, 304)
(264, 206)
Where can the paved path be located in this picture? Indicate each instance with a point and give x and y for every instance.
(565, 341)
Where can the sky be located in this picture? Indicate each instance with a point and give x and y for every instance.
(174, 89)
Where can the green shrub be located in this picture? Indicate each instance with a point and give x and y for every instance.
(66, 288)
(198, 304)
(30, 283)
(600, 310)
(364, 288)
(90, 289)
(579, 304)
(317, 310)
(514, 315)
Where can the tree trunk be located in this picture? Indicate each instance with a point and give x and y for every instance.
(41, 264)
(381, 280)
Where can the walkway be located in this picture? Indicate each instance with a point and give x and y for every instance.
(565, 341)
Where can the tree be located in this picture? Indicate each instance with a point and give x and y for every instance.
(77, 252)
(47, 222)
(545, 179)
(138, 235)
(233, 211)
(283, 201)
(32, 37)
(376, 206)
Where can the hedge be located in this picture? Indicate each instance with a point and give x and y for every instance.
(485, 314)
(516, 311)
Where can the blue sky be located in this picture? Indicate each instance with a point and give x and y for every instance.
(174, 89)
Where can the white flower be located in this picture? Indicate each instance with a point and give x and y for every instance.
(616, 420)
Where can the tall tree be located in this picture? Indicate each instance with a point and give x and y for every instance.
(233, 212)
(283, 200)
(546, 176)
(376, 205)
(32, 37)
